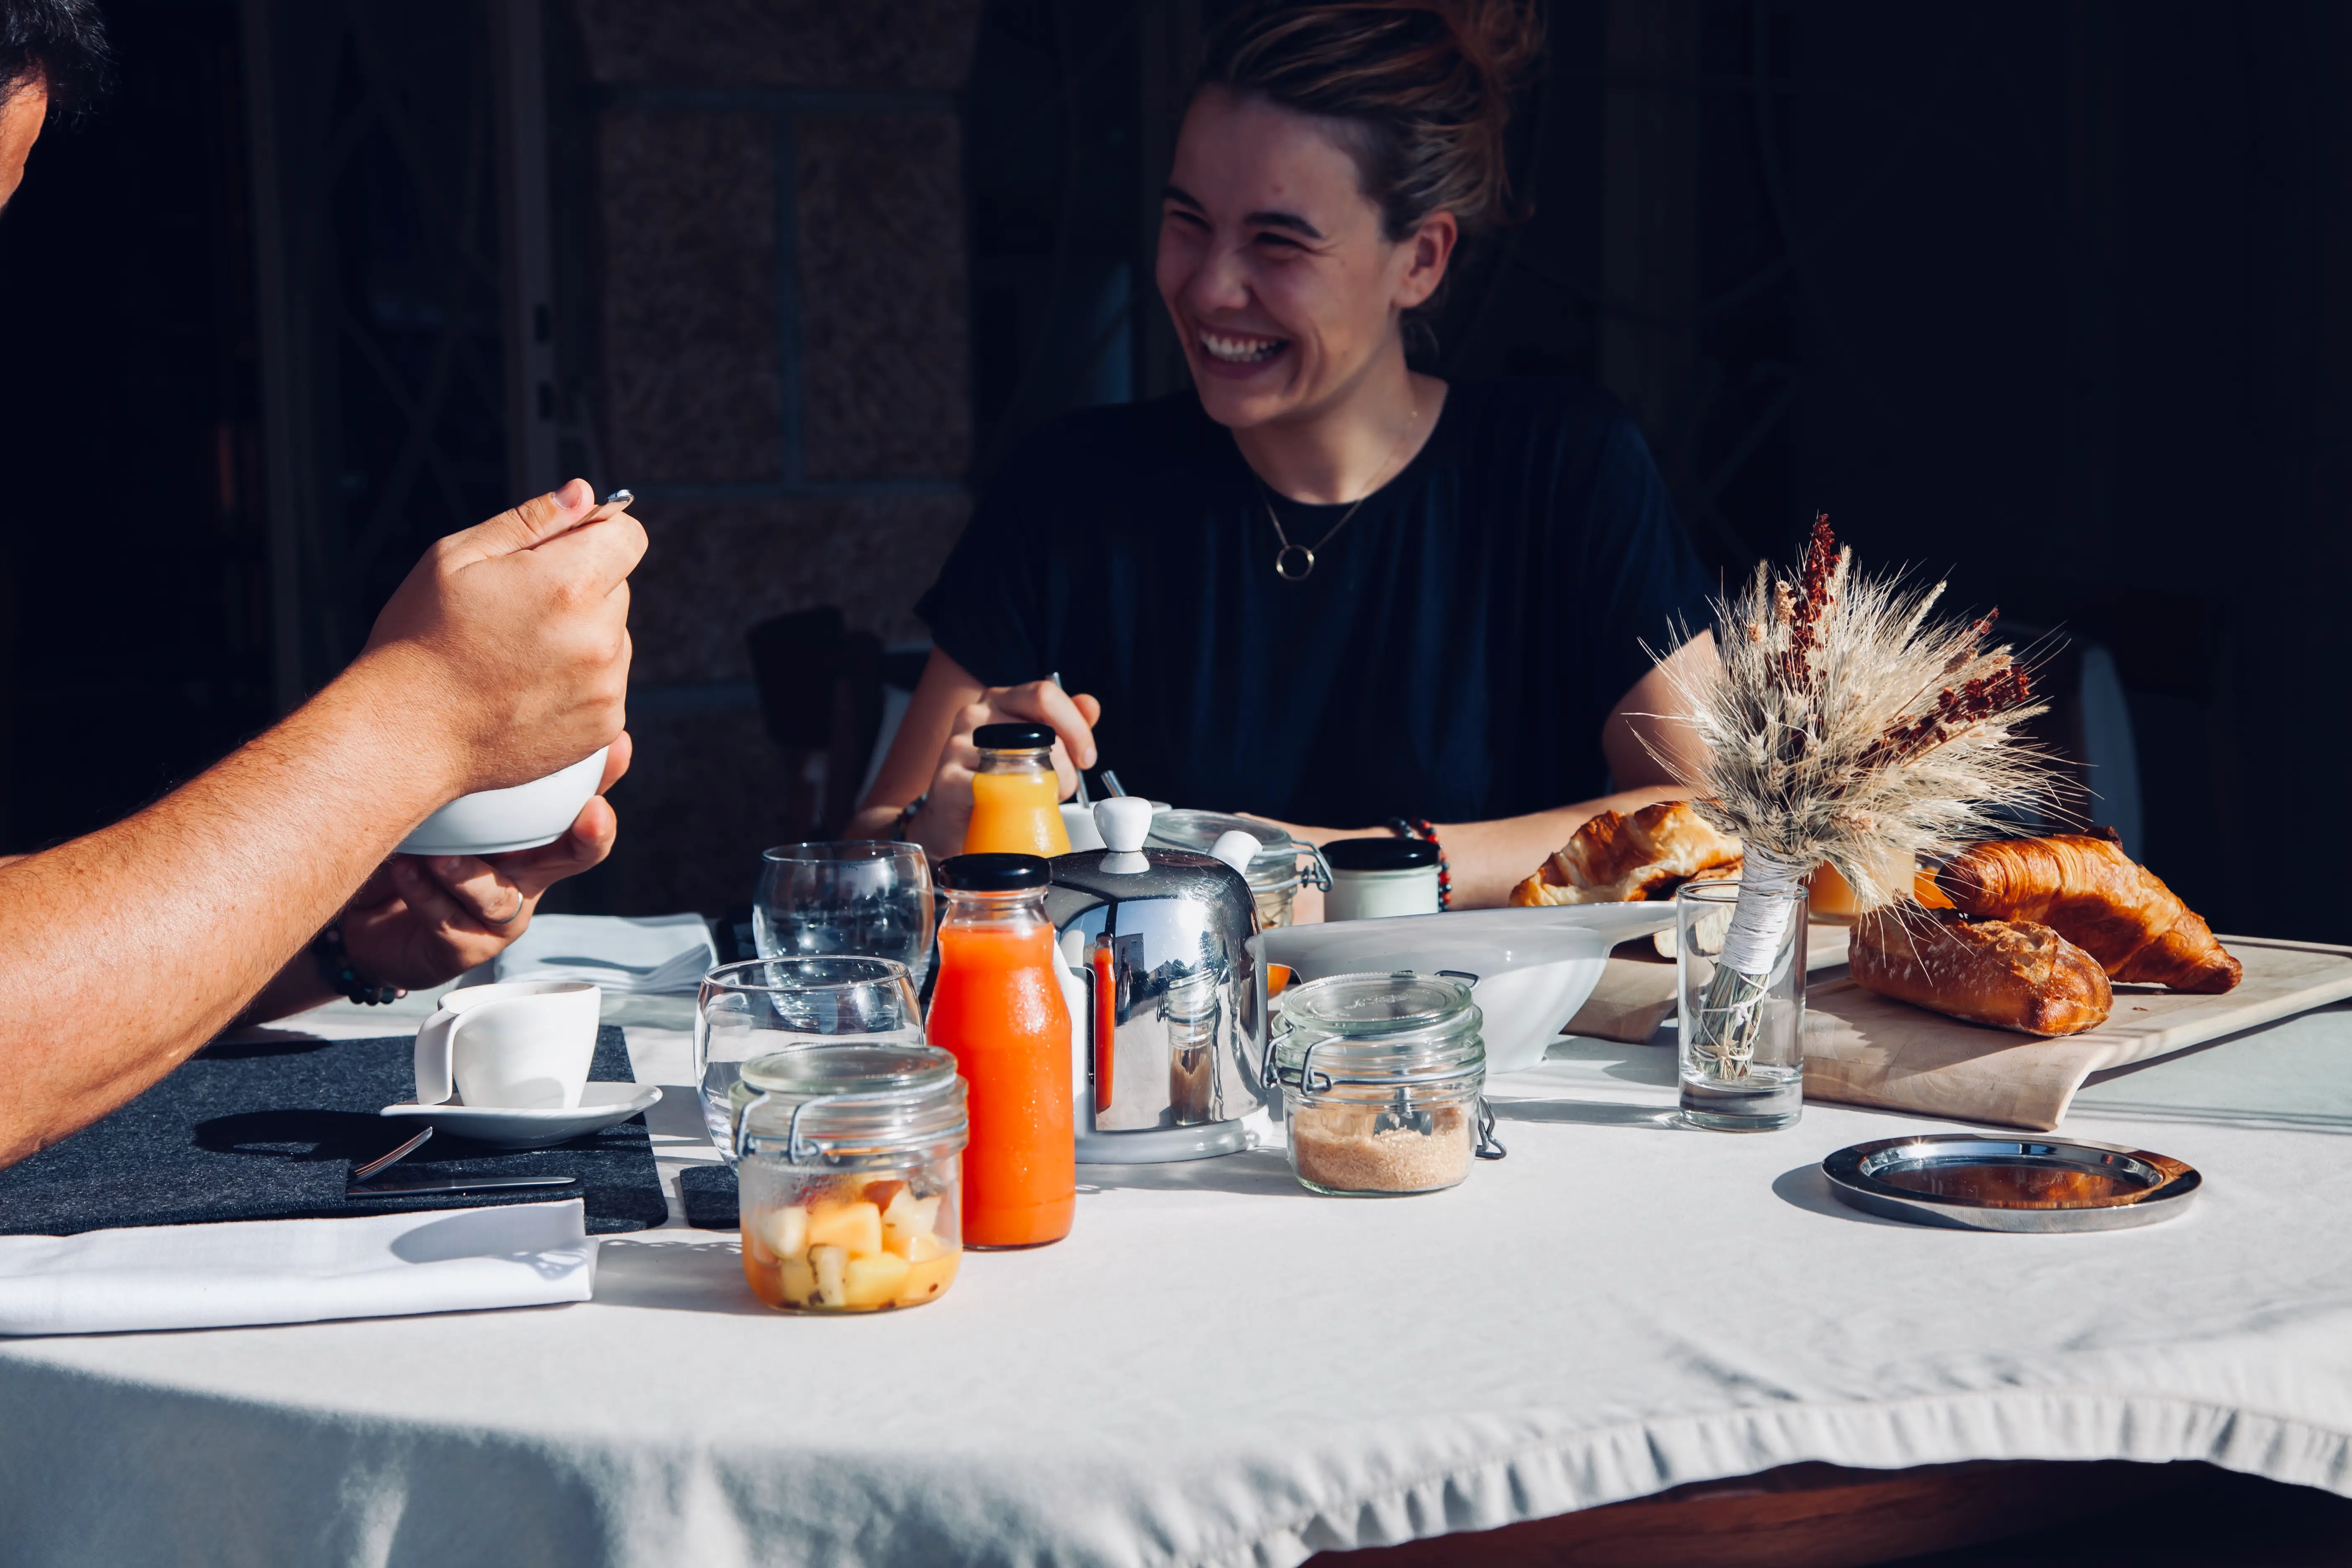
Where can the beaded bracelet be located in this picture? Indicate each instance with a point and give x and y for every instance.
(334, 961)
(1419, 827)
(906, 816)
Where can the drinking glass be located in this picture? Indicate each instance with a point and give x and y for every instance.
(1742, 1030)
(870, 898)
(764, 1004)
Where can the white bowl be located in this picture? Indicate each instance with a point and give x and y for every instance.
(493, 821)
(1535, 967)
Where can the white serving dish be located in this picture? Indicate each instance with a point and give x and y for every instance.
(494, 821)
(1535, 967)
(602, 1105)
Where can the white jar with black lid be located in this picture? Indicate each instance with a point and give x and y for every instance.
(1372, 879)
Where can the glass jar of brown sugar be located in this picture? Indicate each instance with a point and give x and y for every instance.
(1382, 1078)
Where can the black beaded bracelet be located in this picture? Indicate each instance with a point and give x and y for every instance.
(334, 961)
(1419, 827)
(906, 816)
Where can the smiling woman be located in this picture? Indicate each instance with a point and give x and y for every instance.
(1319, 586)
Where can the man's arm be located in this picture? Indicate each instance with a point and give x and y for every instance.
(502, 657)
(1487, 860)
(421, 920)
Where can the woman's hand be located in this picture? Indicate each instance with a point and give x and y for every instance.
(425, 919)
(939, 826)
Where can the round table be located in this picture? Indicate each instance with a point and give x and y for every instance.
(1218, 1368)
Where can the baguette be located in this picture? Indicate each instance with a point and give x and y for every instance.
(2012, 975)
(2096, 896)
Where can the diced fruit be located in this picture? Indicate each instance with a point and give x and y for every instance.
(927, 1279)
(854, 1228)
(915, 1246)
(873, 1281)
(828, 1262)
(762, 1277)
(797, 1281)
(882, 1194)
(906, 1218)
(785, 1231)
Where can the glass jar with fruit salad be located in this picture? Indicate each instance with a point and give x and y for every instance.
(849, 1176)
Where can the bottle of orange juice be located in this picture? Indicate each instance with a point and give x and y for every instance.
(1015, 797)
(997, 1005)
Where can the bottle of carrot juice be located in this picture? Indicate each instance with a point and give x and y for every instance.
(997, 1005)
(1015, 796)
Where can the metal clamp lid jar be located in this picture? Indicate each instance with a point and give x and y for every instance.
(1380, 1077)
(849, 1175)
(1275, 872)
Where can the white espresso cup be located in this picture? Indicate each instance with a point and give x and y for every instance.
(522, 1045)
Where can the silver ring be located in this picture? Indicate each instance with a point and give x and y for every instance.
(513, 915)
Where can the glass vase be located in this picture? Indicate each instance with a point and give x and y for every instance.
(1742, 1024)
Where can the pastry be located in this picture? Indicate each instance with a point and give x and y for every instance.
(1616, 859)
(2096, 897)
(2014, 975)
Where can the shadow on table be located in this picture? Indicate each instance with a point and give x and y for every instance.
(1257, 1172)
(1589, 1113)
(263, 1042)
(296, 1133)
(678, 1114)
(676, 1277)
(1806, 1188)
(1645, 1065)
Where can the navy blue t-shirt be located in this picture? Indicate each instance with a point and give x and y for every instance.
(1452, 655)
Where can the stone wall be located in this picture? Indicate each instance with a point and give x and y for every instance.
(785, 372)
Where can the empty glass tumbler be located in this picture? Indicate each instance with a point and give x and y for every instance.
(870, 898)
(766, 1004)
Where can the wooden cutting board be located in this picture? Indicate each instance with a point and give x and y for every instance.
(1865, 1049)
(1636, 992)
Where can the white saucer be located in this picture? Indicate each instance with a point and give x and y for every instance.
(600, 1106)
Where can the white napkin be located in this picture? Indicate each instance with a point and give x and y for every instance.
(295, 1270)
(655, 956)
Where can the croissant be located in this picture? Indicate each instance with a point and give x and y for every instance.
(1616, 858)
(2014, 975)
(2096, 896)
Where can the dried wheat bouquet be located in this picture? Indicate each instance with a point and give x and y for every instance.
(1838, 723)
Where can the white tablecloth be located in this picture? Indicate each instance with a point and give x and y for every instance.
(1216, 1368)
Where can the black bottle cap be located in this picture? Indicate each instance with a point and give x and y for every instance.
(1379, 854)
(1012, 737)
(995, 873)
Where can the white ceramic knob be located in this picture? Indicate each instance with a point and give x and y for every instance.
(1123, 821)
(1236, 849)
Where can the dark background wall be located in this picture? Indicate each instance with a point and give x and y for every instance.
(2054, 298)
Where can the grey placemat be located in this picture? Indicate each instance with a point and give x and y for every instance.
(270, 1130)
(708, 1190)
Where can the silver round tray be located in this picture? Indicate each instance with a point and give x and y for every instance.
(1977, 1181)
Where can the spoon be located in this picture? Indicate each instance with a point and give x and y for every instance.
(1081, 798)
(612, 505)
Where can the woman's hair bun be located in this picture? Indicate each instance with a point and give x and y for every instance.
(1425, 85)
(1503, 38)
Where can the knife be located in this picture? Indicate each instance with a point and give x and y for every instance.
(410, 1186)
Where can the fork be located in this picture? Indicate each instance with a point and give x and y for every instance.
(361, 1172)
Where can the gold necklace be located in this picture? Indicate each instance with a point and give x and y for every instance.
(1304, 562)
